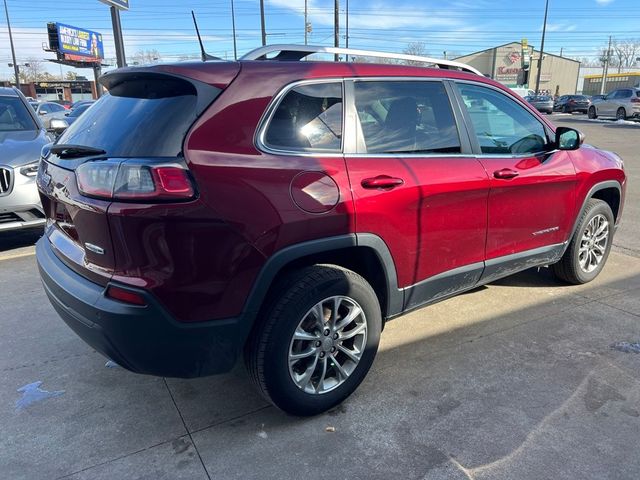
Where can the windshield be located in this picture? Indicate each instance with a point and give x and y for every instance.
(14, 116)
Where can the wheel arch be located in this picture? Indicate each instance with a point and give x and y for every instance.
(609, 192)
(366, 254)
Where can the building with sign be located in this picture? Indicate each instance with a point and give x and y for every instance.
(516, 65)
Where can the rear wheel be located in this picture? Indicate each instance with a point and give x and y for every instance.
(621, 114)
(590, 246)
(317, 341)
(591, 113)
(565, 109)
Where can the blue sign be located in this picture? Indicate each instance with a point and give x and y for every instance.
(78, 41)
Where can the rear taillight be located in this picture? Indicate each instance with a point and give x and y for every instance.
(635, 100)
(571, 101)
(136, 182)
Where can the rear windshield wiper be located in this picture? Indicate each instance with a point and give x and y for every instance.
(65, 150)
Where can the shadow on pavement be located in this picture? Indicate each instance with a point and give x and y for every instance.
(19, 238)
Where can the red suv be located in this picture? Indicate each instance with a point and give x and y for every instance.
(284, 210)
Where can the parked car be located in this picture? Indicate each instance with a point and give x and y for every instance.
(572, 103)
(620, 104)
(206, 211)
(64, 103)
(81, 102)
(542, 103)
(22, 137)
(596, 98)
(47, 111)
(75, 112)
(523, 92)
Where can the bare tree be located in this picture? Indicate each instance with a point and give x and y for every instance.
(146, 57)
(33, 72)
(626, 52)
(415, 48)
(71, 76)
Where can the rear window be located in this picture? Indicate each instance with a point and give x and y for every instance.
(309, 118)
(579, 98)
(140, 117)
(14, 115)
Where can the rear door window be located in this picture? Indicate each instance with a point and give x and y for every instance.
(501, 125)
(309, 118)
(407, 117)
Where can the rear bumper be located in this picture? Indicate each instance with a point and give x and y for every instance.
(141, 339)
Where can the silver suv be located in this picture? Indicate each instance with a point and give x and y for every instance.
(620, 104)
(22, 137)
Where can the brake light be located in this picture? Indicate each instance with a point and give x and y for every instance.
(572, 101)
(635, 100)
(130, 181)
(125, 296)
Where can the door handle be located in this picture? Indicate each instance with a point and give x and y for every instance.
(382, 181)
(505, 173)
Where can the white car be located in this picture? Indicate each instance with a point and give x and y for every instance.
(22, 137)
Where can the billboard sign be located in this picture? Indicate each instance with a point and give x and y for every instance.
(79, 42)
(121, 4)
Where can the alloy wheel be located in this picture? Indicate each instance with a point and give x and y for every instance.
(327, 345)
(593, 243)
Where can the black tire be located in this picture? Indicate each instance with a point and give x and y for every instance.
(267, 353)
(591, 113)
(565, 109)
(621, 114)
(569, 268)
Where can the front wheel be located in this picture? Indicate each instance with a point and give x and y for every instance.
(317, 340)
(591, 113)
(590, 246)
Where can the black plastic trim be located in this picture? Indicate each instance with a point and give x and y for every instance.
(442, 286)
(287, 255)
(501, 267)
(596, 188)
(143, 339)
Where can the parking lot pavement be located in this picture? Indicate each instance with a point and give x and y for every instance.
(515, 380)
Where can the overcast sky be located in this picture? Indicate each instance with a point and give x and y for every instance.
(580, 27)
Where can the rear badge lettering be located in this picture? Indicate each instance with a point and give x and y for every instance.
(94, 248)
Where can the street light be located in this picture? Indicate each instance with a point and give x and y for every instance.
(16, 69)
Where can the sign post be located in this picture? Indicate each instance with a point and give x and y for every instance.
(116, 6)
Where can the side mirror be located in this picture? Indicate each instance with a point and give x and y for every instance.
(568, 138)
(42, 112)
(58, 126)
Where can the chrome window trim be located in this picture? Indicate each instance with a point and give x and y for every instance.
(265, 121)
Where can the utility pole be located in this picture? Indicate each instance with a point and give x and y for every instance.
(306, 21)
(16, 69)
(264, 31)
(233, 27)
(347, 27)
(336, 26)
(544, 31)
(605, 69)
(561, 49)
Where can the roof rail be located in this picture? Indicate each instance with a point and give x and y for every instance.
(298, 52)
